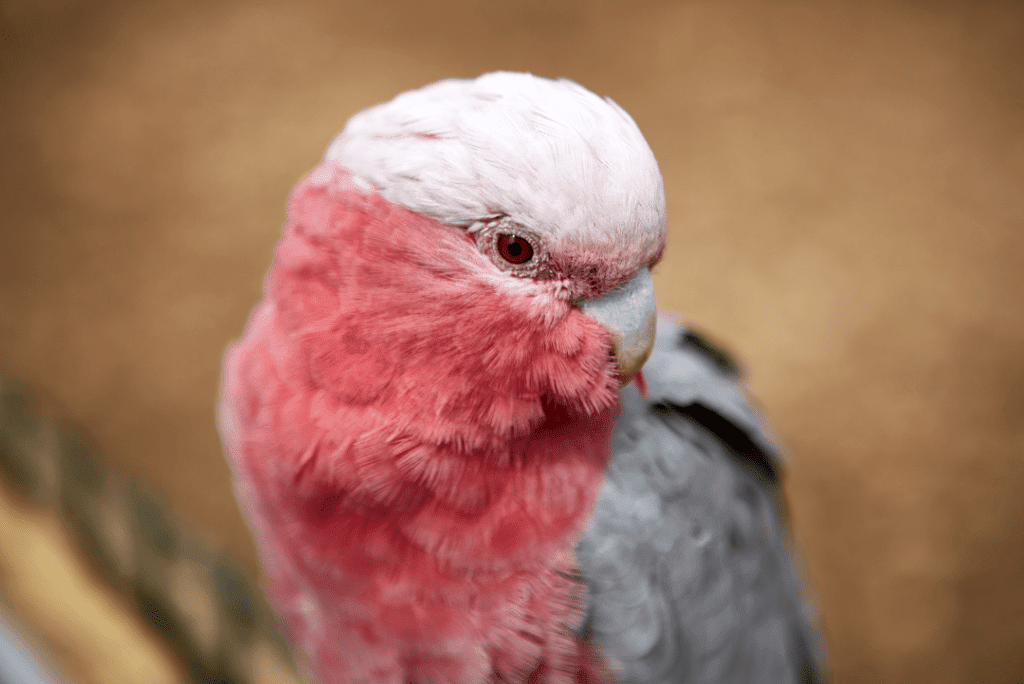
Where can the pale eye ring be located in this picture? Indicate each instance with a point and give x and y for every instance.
(512, 247)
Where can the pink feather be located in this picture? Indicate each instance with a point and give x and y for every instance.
(418, 445)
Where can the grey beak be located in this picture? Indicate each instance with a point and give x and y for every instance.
(629, 312)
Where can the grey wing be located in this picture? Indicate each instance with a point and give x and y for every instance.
(688, 556)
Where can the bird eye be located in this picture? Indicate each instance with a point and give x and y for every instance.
(514, 249)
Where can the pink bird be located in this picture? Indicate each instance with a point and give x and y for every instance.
(421, 415)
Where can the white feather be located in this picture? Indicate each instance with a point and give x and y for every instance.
(551, 155)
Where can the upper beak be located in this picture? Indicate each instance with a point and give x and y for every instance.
(630, 314)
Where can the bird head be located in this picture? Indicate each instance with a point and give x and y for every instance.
(479, 252)
(552, 181)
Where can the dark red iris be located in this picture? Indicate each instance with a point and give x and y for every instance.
(514, 249)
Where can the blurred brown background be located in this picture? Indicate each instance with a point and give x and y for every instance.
(846, 200)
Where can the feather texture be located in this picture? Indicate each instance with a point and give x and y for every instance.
(551, 155)
(416, 510)
(688, 557)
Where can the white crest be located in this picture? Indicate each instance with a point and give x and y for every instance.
(551, 155)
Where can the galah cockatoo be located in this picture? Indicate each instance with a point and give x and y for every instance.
(433, 432)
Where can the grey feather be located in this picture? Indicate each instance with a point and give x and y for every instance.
(688, 557)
